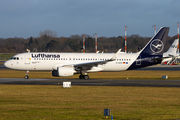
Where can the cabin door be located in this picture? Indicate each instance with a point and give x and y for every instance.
(27, 59)
(138, 61)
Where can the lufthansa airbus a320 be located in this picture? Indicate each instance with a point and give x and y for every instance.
(68, 64)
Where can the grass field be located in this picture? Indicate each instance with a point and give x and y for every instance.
(47, 102)
(88, 102)
(6, 56)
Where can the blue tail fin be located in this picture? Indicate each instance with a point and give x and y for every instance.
(156, 45)
(152, 53)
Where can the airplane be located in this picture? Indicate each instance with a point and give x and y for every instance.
(68, 64)
(171, 54)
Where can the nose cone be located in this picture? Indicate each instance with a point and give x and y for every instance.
(7, 64)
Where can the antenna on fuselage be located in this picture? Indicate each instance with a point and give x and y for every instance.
(28, 50)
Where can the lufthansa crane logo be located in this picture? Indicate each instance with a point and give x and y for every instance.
(156, 46)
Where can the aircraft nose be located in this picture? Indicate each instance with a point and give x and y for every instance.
(7, 64)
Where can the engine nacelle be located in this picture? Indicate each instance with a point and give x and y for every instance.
(63, 72)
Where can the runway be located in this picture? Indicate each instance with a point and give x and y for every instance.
(100, 82)
(93, 82)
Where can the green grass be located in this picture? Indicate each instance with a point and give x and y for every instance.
(47, 102)
(137, 74)
(88, 102)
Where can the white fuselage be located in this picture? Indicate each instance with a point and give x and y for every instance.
(50, 61)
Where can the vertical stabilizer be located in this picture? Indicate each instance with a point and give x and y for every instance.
(173, 48)
(152, 53)
(156, 45)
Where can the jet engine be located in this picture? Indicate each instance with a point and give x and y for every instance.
(63, 72)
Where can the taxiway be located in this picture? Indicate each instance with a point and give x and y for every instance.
(93, 82)
(100, 82)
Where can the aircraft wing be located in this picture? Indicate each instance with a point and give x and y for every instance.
(170, 56)
(90, 65)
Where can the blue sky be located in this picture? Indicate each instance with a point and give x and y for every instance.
(25, 18)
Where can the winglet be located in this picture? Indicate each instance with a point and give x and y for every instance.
(114, 57)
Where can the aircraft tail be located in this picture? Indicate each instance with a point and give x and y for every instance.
(152, 53)
(156, 45)
(173, 47)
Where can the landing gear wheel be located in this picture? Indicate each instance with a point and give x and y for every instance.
(81, 77)
(86, 77)
(26, 77)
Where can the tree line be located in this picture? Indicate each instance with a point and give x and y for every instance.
(47, 41)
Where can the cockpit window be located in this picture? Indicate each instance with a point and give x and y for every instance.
(15, 58)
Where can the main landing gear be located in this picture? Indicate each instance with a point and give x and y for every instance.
(26, 76)
(86, 77)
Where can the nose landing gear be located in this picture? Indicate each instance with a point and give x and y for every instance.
(26, 76)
